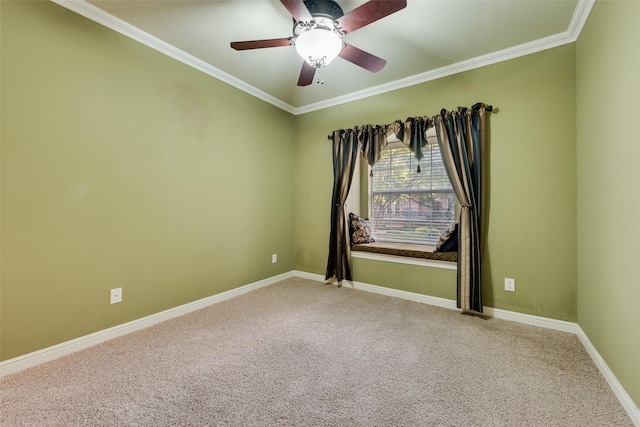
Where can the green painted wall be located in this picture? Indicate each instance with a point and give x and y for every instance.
(123, 167)
(608, 66)
(532, 181)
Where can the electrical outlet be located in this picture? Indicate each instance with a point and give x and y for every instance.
(116, 296)
(509, 284)
(274, 258)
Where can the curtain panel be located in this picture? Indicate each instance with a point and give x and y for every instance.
(345, 151)
(462, 141)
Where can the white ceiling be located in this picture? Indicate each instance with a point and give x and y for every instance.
(426, 40)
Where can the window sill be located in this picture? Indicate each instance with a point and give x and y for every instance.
(406, 254)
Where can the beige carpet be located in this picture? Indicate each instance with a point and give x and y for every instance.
(301, 353)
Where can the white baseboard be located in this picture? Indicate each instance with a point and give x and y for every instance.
(412, 296)
(25, 361)
(528, 319)
(50, 353)
(622, 395)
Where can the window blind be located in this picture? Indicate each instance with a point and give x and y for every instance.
(407, 206)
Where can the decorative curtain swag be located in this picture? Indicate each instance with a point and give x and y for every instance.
(462, 140)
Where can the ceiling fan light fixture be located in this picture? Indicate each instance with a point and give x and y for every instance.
(318, 46)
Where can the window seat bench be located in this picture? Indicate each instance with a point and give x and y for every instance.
(406, 250)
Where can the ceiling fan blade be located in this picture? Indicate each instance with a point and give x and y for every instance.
(298, 10)
(259, 44)
(369, 12)
(361, 58)
(306, 74)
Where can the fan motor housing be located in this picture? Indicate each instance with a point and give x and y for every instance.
(324, 13)
(324, 8)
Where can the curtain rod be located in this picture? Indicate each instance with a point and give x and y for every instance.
(488, 108)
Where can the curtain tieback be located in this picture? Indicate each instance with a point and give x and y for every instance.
(466, 206)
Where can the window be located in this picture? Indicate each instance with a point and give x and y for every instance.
(407, 206)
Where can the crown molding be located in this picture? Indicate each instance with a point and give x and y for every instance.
(578, 20)
(101, 17)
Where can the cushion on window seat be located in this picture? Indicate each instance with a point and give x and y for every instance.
(359, 229)
(406, 250)
(448, 240)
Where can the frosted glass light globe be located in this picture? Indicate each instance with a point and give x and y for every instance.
(318, 46)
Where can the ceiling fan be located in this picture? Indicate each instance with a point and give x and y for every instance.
(318, 28)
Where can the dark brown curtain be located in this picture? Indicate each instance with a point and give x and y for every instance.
(345, 151)
(373, 140)
(413, 134)
(462, 140)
